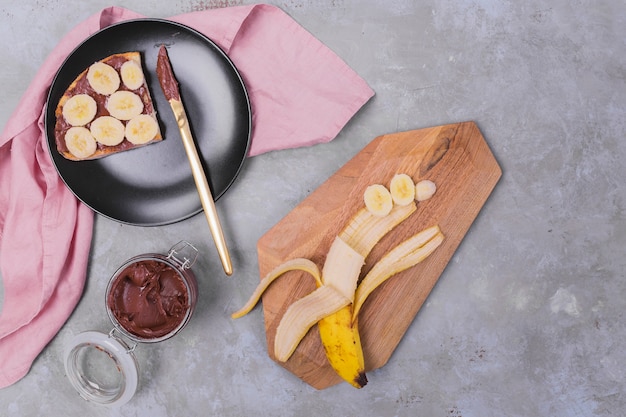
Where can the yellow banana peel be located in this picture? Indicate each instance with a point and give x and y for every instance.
(342, 344)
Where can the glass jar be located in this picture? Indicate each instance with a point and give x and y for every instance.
(150, 298)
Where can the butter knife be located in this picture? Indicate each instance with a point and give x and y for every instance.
(169, 85)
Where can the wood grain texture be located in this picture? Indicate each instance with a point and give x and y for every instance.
(457, 158)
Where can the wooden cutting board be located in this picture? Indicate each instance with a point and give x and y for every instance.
(457, 158)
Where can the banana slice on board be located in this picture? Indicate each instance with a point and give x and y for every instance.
(132, 75)
(80, 142)
(424, 190)
(80, 110)
(124, 105)
(378, 200)
(103, 78)
(107, 130)
(141, 129)
(402, 189)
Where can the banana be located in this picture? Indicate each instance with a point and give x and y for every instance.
(339, 276)
(335, 303)
(107, 130)
(342, 267)
(103, 78)
(141, 129)
(378, 200)
(342, 344)
(424, 190)
(132, 75)
(330, 305)
(365, 229)
(124, 105)
(80, 142)
(402, 189)
(339, 332)
(79, 110)
(302, 315)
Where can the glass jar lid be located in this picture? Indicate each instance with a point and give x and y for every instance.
(102, 368)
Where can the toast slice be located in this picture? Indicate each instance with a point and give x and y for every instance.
(107, 109)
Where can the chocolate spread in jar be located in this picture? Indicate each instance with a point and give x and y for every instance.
(148, 299)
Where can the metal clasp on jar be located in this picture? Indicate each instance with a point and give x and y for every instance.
(184, 253)
(129, 349)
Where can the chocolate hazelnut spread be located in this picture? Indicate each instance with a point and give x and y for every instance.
(168, 82)
(148, 299)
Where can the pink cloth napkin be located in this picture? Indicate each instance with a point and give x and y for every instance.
(301, 94)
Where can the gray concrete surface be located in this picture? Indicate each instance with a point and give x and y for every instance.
(528, 318)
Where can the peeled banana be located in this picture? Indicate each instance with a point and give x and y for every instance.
(335, 303)
(340, 274)
(339, 333)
